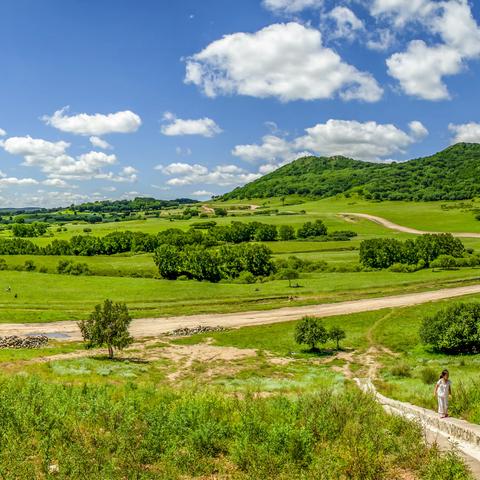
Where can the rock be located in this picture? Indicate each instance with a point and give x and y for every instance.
(34, 341)
(186, 331)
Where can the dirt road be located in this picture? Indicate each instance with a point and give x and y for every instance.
(399, 228)
(146, 327)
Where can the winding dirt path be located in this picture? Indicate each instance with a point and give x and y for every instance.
(399, 228)
(151, 327)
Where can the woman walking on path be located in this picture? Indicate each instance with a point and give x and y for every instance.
(443, 389)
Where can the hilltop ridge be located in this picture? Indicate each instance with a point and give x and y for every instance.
(452, 174)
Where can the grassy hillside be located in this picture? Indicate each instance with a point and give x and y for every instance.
(453, 174)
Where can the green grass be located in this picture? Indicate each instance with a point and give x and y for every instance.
(116, 432)
(49, 297)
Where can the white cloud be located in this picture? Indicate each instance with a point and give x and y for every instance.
(205, 127)
(100, 143)
(179, 168)
(401, 11)
(286, 61)
(97, 124)
(347, 24)
(381, 39)
(363, 141)
(467, 132)
(290, 6)
(53, 160)
(6, 181)
(418, 131)
(202, 193)
(420, 69)
(2, 132)
(58, 183)
(222, 175)
(34, 147)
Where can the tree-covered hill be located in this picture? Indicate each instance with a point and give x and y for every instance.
(453, 174)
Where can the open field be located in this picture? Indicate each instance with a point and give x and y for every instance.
(40, 297)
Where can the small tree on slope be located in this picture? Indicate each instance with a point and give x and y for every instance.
(311, 331)
(107, 325)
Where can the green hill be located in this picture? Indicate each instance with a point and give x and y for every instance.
(453, 174)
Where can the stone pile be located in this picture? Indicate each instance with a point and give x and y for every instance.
(34, 341)
(186, 331)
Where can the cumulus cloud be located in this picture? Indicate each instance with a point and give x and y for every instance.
(97, 124)
(363, 141)
(205, 127)
(52, 159)
(347, 24)
(467, 132)
(202, 193)
(2, 132)
(286, 61)
(421, 68)
(290, 6)
(222, 175)
(58, 183)
(100, 143)
(6, 181)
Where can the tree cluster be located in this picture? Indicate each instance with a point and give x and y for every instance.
(382, 253)
(453, 330)
(312, 332)
(36, 229)
(213, 264)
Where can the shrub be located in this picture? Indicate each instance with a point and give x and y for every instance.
(428, 375)
(311, 331)
(245, 277)
(3, 264)
(29, 266)
(312, 229)
(401, 369)
(287, 274)
(286, 232)
(453, 330)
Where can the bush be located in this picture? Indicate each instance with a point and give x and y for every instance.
(311, 331)
(68, 267)
(453, 330)
(312, 229)
(287, 274)
(245, 277)
(286, 232)
(29, 266)
(428, 375)
(401, 369)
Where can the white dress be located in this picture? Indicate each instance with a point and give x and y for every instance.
(443, 389)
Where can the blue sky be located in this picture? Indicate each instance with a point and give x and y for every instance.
(118, 98)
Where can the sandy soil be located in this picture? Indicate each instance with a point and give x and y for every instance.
(151, 327)
(399, 228)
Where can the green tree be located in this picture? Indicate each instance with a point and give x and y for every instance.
(288, 274)
(286, 232)
(337, 334)
(107, 325)
(220, 212)
(311, 331)
(266, 233)
(454, 330)
(169, 260)
(312, 229)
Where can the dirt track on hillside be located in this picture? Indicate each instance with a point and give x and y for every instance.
(399, 228)
(149, 327)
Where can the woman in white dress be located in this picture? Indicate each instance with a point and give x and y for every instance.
(443, 389)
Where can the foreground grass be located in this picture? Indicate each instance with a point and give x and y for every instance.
(61, 431)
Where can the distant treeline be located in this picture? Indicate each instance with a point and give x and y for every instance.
(421, 252)
(213, 264)
(137, 242)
